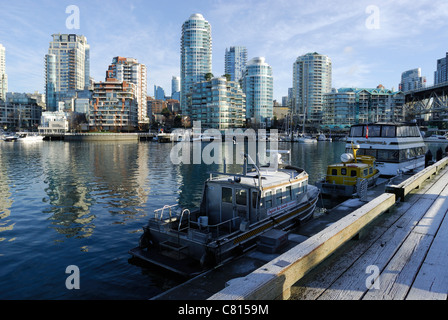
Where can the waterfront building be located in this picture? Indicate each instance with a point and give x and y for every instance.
(312, 74)
(218, 104)
(114, 106)
(54, 122)
(20, 111)
(131, 71)
(235, 60)
(258, 86)
(196, 56)
(67, 68)
(3, 75)
(412, 80)
(348, 106)
(441, 74)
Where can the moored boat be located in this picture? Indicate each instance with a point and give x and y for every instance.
(347, 178)
(397, 147)
(236, 209)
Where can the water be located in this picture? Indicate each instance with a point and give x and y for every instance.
(84, 204)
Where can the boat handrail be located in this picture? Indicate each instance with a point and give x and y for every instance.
(162, 211)
(180, 221)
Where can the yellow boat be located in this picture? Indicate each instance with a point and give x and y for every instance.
(348, 177)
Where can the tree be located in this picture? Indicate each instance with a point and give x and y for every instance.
(227, 76)
(208, 76)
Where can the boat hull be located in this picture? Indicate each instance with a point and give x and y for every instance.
(340, 190)
(192, 252)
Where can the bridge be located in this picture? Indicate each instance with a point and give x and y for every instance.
(431, 101)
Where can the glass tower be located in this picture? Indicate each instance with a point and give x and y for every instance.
(235, 62)
(196, 56)
(311, 80)
(258, 87)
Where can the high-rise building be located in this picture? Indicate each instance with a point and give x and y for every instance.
(159, 93)
(196, 55)
(175, 88)
(441, 74)
(311, 80)
(131, 71)
(114, 106)
(3, 75)
(411, 80)
(235, 62)
(67, 68)
(218, 104)
(258, 87)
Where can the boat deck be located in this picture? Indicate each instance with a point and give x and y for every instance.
(402, 255)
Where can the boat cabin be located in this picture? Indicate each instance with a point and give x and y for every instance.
(348, 173)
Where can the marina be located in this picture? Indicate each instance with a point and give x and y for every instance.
(68, 201)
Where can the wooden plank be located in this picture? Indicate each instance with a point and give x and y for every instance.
(352, 284)
(431, 282)
(277, 276)
(396, 280)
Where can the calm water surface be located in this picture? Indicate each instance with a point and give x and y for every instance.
(84, 204)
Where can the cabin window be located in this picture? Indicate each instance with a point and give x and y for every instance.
(288, 194)
(297, 189)
(279, 196)
(334, 172)
(227, 195)
(343, 171)
(374, 131)
(388, 131)
(254, 199)
(268, 199)
(352, 173)
(366, 172)
(370, 170)
(356, 131)
(304, 186)
(241, 197)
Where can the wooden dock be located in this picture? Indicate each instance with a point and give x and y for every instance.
(403, 255)
(385, 249)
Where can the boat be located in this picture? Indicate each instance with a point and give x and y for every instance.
(398, 147)
(304, 139)
(236, 209)
(350, 177)
(9, 137)
(323, 137)
(437, 138)
(29, 137)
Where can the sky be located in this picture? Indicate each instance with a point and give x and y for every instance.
(369, 42)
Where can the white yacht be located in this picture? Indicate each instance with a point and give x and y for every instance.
(29, 137)
(397, 147)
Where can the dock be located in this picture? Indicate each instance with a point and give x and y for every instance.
(388, 247)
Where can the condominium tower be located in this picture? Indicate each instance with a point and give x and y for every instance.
(411, 80)
(67, 68)
(235, 62)
(258, 87)
(311, 80)
(196, 55)
(131, 71)
(441, 74)
(3, 75)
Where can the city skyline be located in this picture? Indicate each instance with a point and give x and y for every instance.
(369, 42)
